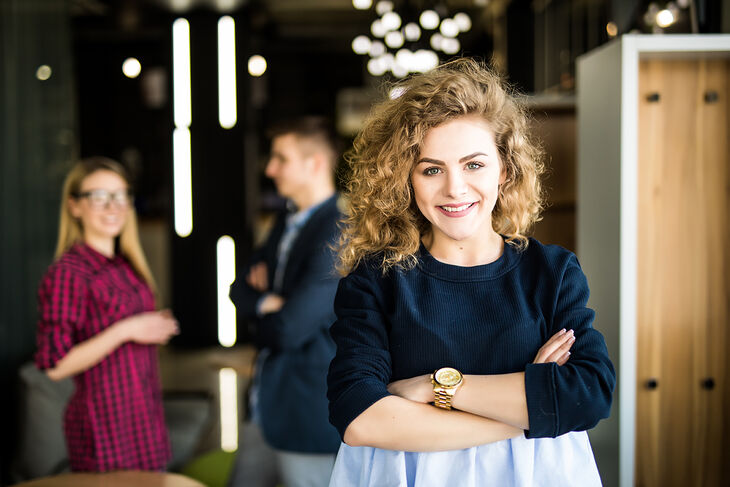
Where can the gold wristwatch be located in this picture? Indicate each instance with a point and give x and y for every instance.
(446, 381)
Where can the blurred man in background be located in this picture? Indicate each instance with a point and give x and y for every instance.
(288, 290)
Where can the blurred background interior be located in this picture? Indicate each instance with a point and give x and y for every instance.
(181, 91)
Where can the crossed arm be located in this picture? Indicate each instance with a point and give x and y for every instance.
(258, 279)
(489, 408)
(562, 395)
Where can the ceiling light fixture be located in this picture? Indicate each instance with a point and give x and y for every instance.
(411, 39)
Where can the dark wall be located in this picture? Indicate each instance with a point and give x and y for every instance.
(36, 147)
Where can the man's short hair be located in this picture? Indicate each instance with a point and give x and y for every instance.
(317, 129)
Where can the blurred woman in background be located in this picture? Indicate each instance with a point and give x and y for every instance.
(98, 324)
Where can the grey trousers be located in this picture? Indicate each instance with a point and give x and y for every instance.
(259, 465)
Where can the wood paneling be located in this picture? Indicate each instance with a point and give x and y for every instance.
(554, 128)
(683, 256)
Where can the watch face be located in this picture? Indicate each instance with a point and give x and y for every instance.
(448, 377)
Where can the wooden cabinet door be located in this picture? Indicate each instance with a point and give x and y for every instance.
(683, 399)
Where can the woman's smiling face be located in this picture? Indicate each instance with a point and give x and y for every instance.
(103, 219)
(456, 179)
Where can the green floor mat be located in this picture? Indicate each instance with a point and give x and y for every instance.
(212, 468)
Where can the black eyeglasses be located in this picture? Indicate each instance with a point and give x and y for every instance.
(100, 198)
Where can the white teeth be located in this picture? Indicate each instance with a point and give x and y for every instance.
(454, 209)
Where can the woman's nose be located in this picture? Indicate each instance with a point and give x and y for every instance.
(455, 184)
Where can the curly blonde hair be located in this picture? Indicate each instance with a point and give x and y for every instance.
(383, 218)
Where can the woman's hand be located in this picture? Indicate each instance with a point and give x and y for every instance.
(150, 328)
(418, 389)
(557, 349)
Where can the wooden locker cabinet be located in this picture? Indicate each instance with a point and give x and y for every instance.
(653, 237)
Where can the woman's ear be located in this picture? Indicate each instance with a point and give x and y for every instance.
(503, 176)
(74, 207)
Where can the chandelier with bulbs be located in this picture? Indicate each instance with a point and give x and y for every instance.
(408, 42)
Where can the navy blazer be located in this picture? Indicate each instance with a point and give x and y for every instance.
(293, 389)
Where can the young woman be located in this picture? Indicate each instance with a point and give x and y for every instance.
(98, 324)
(465, 351)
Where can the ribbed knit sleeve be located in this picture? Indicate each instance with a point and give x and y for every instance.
(359, 373)
(574, 396)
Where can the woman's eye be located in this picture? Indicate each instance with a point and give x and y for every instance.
(473, 165)
(432, 171)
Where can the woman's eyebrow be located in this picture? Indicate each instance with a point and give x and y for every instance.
(431, 161)
(438, 162)
(471, 156)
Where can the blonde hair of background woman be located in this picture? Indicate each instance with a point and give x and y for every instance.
(383, 217)
(71, 232)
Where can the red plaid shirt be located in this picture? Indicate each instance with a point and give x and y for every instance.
(114, 420)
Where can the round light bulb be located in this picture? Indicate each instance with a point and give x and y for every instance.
(391, 21)
(394, 39)
(425, 60)
(404, 59)
(377, 48)
(362, 4)
(664, 18)
(378, 28)
(43, 72)
(131, 67)
(383, 6)
(412, 31)
(611, 29)
(376, 66)
(437, 41)
(429, 19)
(463, 21)
(256, 65)
(451, 45)
(361, 44)
(449, 28)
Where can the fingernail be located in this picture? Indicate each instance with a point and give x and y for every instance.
(562, 331)
(572, 332)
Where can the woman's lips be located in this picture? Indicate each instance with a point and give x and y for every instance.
(457, 210)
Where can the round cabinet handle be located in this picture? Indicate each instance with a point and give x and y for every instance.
(652, 384)
(708, 384)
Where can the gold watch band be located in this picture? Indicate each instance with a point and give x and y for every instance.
(442, 399)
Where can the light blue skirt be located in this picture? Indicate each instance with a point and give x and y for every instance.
(519, 462)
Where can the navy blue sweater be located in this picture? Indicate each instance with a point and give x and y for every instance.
(488, 319)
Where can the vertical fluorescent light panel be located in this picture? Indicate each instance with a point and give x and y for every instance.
(227, 72)
(226, 252)
(181, 72)
(182, 181)
(182, 174)
(229, 409)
